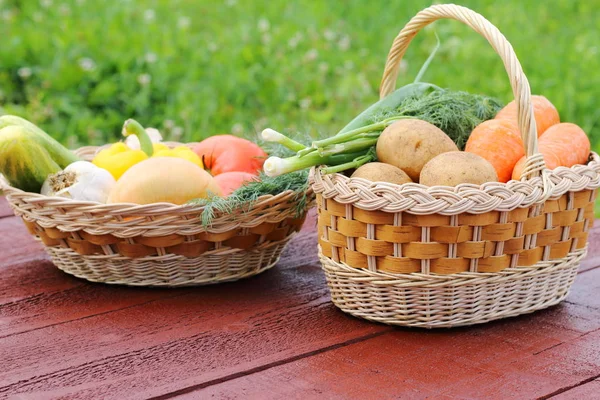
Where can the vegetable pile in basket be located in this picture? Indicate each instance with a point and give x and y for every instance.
(223, 171)
(436, 137)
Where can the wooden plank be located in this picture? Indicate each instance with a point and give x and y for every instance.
(592, 259)
(586, 289)
(169, 344)
(28, 288)
(204, 336)
(525, 357)
(5, 209)
(589, 390)
(16, 244)
(166, 346)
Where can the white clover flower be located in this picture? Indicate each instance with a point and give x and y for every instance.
(45, 3)
(266, 38)
(403, 66)
(184, 22)
(230, 3)
(87, 64)
(144, 79)
(212, 47)
(237, 129)
(263, 25)
(177, 133)
(329, 35)
(150, 57)
(149, 15)
(293, 42)
(344, 43)
(64, 9)
(7, 15)
(311, 55)
(323, 67)
(24, 72)
(305, 103)
(169, 124)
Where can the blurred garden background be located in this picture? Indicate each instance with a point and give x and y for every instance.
(194, 68)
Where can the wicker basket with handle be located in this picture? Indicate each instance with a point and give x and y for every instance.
(439, 256)
(158, 244)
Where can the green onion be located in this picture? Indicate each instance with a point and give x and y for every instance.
(271, 135)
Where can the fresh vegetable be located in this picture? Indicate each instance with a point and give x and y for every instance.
(455, 113)
(499, 142)
(410, 143)
(60, 154)
(231, 181)
(133, 142)
(563, 145)
(380, 172)
(24, 162)
(456, 167)
(544, 112)
(227, 153)
(163, 179)
(389, 104)
(81, 180)
(28, 155)
(118, 158)
(180, 152)
(247, 195)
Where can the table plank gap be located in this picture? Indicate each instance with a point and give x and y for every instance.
(582, 390)
(271, 365)
(488, 361)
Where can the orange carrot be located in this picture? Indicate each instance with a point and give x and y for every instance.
(544, 112)
(563, 144)
(499, 142)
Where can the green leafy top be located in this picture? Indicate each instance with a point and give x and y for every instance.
(244, 198)
(456, 113)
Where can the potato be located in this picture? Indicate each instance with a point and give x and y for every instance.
(381, 172)
(456, 167)
(410, 143)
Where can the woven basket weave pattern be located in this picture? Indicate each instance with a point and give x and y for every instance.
(442, 244)
(438, 256)
(158, 244)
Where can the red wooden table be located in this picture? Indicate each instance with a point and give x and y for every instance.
(272, 336)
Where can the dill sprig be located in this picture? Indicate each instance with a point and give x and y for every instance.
(454, 112)
(244, 198)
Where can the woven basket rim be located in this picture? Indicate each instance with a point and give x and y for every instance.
(419, 199)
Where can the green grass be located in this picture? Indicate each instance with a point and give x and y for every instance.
(79, 68)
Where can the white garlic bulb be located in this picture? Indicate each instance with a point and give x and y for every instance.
(80, 180)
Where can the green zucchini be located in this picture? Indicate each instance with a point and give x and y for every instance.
(28, 155)
(60, 154)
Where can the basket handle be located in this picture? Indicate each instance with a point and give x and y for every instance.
(520, 86)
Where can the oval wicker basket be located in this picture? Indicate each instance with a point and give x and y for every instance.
(422, 256)
(158, 244)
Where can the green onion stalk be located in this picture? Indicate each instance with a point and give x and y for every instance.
(341, 152)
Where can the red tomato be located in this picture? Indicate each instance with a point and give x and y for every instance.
(230, 181)
(228, 153)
